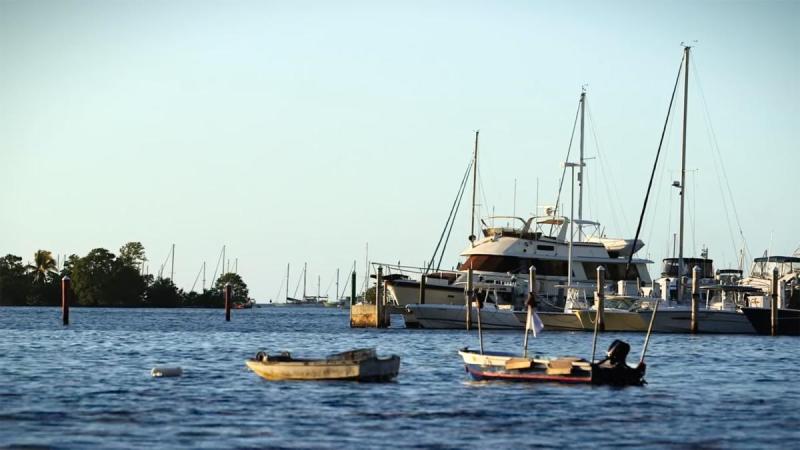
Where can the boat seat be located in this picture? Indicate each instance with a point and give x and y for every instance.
(561, 366)
(519, 363)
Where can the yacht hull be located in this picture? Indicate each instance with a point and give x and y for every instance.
(555, 321)
(454, 317)
(614, 320)
(406, 292)
(788, 321)
(711, 322)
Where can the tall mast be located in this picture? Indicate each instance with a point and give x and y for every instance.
(172, 269)
(287, 280)
(474, 188)
(305, 266)
(204, 276)
(580, 167)
(683, 168)
(318, 292)
(223, 259)
(337, 284)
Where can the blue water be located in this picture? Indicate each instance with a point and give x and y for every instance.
(89, 386)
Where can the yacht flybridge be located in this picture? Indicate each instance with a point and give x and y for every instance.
(506, 252)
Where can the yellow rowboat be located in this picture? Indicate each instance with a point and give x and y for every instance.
(355, 365)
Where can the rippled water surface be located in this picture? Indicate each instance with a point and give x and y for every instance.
(89, 386)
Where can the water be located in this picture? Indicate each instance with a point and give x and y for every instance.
(89, 386)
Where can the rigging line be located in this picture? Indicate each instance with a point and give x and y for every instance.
(196, 278)
(214, 277)
(662, 171)
(450, 216)
(716, 162)
(280, 288)
(655, 164)
(347, 280)
(296, 288)
(564, 170)
(483, 194)
(452, 222)
(161, 270)
(719, 155)
(609, 180)
(328, 289)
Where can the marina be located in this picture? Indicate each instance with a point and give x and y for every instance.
(424, 225)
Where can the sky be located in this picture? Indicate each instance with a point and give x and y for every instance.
(301, 132)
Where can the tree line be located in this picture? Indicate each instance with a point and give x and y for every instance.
(103, 279)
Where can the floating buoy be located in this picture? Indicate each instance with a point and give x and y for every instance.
(166, 372)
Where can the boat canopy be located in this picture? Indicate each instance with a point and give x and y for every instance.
(763, 267)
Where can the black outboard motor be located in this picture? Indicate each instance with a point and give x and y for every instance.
(618, 352)
(614, 369)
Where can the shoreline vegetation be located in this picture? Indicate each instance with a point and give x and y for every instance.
(103, 279)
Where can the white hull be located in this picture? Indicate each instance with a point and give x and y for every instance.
(719, 322)
(556, 321)
(406, 292)
(454, 317)
(614, 320)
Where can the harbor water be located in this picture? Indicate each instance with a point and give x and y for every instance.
(88, 385)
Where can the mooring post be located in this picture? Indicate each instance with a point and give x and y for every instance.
(773, 310)
(422, 282)
(378, 309)
(66, 285)
(352, 290)
(601, 295)
(695, 298)
(385, 317)
(468, 299)
(228, 302)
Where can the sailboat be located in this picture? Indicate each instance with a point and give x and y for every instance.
(306, 300)
(676, 316)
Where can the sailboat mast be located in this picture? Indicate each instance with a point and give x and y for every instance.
(337, 284)
(305, 267)
(287, 280)
(580, 167)
(683, 169)
(474, 189)
(172, 268)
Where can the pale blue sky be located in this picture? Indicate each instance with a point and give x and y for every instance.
(299, 131)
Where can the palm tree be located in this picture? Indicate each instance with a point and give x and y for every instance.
(43, 267)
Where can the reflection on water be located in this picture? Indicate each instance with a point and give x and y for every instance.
(89, 386)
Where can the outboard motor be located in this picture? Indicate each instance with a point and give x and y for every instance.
(614, 369)
(617, 353)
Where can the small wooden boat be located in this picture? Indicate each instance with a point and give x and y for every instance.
(354, 365)
(613, 370)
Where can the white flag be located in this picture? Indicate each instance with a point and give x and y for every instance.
(537, 324)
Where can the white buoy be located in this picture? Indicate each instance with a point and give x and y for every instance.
(166, 372)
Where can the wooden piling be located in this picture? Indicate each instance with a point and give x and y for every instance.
(773, 310)
(385, 317)
(66, 285)
(228, 295)
(422, 283)
(468, 299)
(353, 289)
(601, 296)
(379, 297)
(695, 298)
